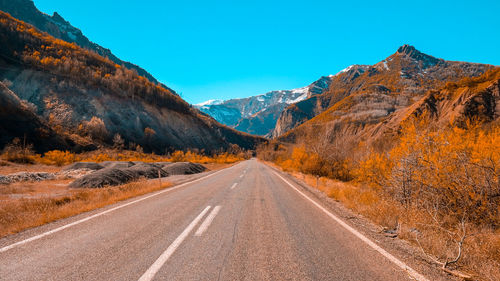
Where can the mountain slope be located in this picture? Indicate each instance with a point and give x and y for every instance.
(258, 114)
(58, 27)
(363, 94)
(19, 120)
(87, 98)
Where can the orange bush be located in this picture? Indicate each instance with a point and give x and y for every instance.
(59, 158)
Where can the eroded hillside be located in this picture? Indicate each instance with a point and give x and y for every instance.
(88, 99)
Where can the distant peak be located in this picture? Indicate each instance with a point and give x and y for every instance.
(208, 103)
(407, 49)
(57, 17)
(413, 53)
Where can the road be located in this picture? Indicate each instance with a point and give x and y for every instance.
(246, 222)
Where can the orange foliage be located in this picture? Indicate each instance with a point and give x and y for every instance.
(59, 158)
(457, 169)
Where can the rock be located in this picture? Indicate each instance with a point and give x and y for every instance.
(163, 164)
(4, 180)
(27, 176)
(104, 177)
(83, 165)
(117, 164)
(146, 170)
(73, 174)
(117, 176)
(184, 168)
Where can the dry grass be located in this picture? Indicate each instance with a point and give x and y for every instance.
(48, 188)
(481, 251)
(29, 204)
(22, 212)
(10, 168)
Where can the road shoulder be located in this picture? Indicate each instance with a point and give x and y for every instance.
(401, 249)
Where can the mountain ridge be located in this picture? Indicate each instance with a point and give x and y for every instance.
(58, 27)
(258, 114)
(377, 90)
(85, 99)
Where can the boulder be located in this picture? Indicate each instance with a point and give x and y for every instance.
(184, 168)
(147, 170)
(104, 177)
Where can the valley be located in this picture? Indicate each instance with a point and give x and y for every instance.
(386, 170)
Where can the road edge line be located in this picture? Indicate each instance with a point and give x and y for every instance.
(413, 273)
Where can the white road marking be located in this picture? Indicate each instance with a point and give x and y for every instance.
(6, 248)
(234, 185)
(241, 176)
(363, 238)
(151, 272)
(204, 226)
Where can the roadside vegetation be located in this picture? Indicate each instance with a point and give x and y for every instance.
(437, 188)
(32, 203)
(19, 214)
(20, 152)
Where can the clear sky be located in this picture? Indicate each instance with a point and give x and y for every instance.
(225, 49)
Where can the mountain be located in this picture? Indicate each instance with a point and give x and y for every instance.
(368, 104)
(60, 95)
(363, 95)
(258, 114)
(474, 99)
(58, 27)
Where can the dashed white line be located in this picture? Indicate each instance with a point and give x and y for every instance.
(241, 176)
(204, 226)
(6, 248)
(234, 185)
(363, 238)
(151, 272)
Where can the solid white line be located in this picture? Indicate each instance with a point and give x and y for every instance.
(363, 238)
(6, 248)
(204, 226)
(151, 272)
(234, 185)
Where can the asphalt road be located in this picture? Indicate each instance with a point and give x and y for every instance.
(242, 223)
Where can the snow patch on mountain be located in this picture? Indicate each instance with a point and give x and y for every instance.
(208, 103)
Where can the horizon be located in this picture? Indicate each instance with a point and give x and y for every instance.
(269, 47)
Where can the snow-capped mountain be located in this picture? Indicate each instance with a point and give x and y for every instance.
(258, 114)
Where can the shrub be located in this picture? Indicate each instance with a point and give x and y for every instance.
(19, 152)
(59, 158)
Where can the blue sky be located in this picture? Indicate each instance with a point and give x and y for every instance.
(227, 49)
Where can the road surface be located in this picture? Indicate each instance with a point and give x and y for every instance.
(246, 222)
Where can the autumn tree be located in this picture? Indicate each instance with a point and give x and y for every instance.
(118, 142)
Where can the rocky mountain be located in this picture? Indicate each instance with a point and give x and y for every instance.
(258, 114)
(60, 95)
(473, 100)
(58, 27)
(362, 95)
